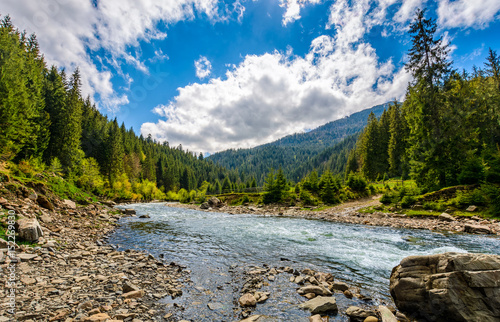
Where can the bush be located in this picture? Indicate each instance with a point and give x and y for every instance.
(184, 196)
(472, 172)
(492, 195)
(356, 182)
(245, 199)
(407, 201)
(307, 199)
(387, 198)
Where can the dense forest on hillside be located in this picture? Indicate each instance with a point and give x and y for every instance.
(46, 123)
(300, 153)
(446, 132)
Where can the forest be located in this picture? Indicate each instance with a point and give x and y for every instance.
(445, 133)
(46, 125)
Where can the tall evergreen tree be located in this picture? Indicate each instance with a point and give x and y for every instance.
(424, 104)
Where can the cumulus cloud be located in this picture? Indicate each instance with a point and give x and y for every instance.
(467, 13)
(293, 7)
(69, 31)
(203, 67)
(275, 94)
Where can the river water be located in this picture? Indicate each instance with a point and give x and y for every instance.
(215, 246)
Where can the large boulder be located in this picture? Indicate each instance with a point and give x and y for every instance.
(215, 202)
(29, 229)
(448, 287)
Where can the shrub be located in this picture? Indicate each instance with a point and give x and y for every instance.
(307, 199)
(356, 182)
(407, 201)
(245, 199)
(387, 198)
(472, 172)
(492, 194)
(184, 196)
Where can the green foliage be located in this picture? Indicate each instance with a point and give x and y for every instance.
(275, 186)
(90, 177)
(389, 197)
(472, 171)
(329, 188)
(307, 198)
(492, 195)
(356, 182)
(407, 201)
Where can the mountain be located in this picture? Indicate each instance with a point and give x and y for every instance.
(294, 153)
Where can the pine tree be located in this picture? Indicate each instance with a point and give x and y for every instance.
(370, 149)
(115, 151)
(424, 104)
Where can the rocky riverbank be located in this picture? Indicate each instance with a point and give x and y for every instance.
(349, 212)
(71, 274)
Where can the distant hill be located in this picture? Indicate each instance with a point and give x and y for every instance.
(295, 152)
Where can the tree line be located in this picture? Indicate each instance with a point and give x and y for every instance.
(447, 130)
(44, 120)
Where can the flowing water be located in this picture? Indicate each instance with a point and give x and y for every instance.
(215, 246)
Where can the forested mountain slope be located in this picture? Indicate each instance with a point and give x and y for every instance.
(299, 153)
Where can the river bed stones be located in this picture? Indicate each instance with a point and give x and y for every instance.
(320, 304)
(73, 275)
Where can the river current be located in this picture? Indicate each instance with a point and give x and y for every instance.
(215, 245)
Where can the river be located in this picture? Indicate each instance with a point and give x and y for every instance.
(217, 247)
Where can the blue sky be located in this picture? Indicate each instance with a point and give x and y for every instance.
(213, 75)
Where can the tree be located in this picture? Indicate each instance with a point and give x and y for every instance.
(428, 56)
(370, 150)
(424, 104)
(397, 140)
(329, 187)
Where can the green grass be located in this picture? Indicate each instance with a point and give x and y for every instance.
(410, 184)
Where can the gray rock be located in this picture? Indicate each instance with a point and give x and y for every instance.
(129, 287)
(446, 217)
(247, 300)
(215, 306)
(318, 290)
(214, 202)
(29, 229)
(340, 286)
(130, 212)
(320, 305)
(471, 208)
(69, 204)
(144, 216)
(386, 315)
(357, 314)
(477, 229)
(205, 205)
(448, 287)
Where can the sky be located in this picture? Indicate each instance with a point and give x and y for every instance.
(213, 75)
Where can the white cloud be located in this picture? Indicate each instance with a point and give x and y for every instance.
(407, 10)
(293, 7)
(203, 67)
(68, 29)
(275, 94)
(467, 13)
